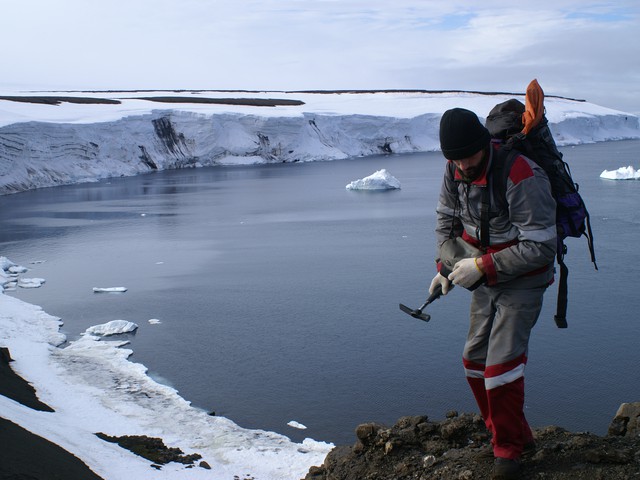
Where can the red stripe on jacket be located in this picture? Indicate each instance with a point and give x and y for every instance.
(521, 170)
(487, 260)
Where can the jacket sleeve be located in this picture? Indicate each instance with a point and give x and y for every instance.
(532, 210)
(447, 224)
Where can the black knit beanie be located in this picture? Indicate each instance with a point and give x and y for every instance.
(461, 134)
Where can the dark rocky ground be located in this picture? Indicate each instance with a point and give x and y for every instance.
(417, 449)
(25, 456)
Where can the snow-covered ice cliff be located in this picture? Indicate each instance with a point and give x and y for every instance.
(43, 145)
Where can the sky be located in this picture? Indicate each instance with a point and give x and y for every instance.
(576, 48)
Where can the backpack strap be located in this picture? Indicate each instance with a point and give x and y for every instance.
(503, 159)
(563, 288)
(485, 212)
(457, 208)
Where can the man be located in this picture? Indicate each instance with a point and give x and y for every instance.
(515, 265)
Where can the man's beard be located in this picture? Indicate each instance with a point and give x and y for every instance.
(474, 173)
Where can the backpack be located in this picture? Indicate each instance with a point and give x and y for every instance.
(523, 129)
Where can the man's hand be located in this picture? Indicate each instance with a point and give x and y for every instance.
(466, 272)
(439, 280)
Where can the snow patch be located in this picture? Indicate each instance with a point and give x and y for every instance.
(6, 264)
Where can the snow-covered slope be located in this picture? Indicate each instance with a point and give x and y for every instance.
(45, 145)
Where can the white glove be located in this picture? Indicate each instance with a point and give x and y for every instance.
(466, 273)
(439, 280)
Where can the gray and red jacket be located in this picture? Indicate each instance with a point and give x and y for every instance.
(522, 234)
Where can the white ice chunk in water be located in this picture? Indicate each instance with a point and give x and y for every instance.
(623, 173)
(31, 282)
(154, 321)
(17, 269)
(380, 180)
(297, 425)
(109, 289)
(114, 327)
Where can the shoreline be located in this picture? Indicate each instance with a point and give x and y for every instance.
(85, 408)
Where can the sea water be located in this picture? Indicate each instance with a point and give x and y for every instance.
(277, 290)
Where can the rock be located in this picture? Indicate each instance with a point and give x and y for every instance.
(429, 460)
(605, 455)
(411, 422)
(626, 423)
(151, 448)
(366, 432)
(5, 355)
(418, 449)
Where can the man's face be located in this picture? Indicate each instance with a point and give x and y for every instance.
(471, 167)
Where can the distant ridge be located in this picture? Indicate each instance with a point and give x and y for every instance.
(475, 92)
(320, 92)
(254, 102)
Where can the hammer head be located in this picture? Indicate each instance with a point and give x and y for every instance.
(415, 313)
(421, 316)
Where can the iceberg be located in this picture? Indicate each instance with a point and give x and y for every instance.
(380, 180)
(622, 173)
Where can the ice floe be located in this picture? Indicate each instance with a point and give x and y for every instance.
(114, 327)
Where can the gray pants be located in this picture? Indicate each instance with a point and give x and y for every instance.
(501, 320)
(494, 357)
